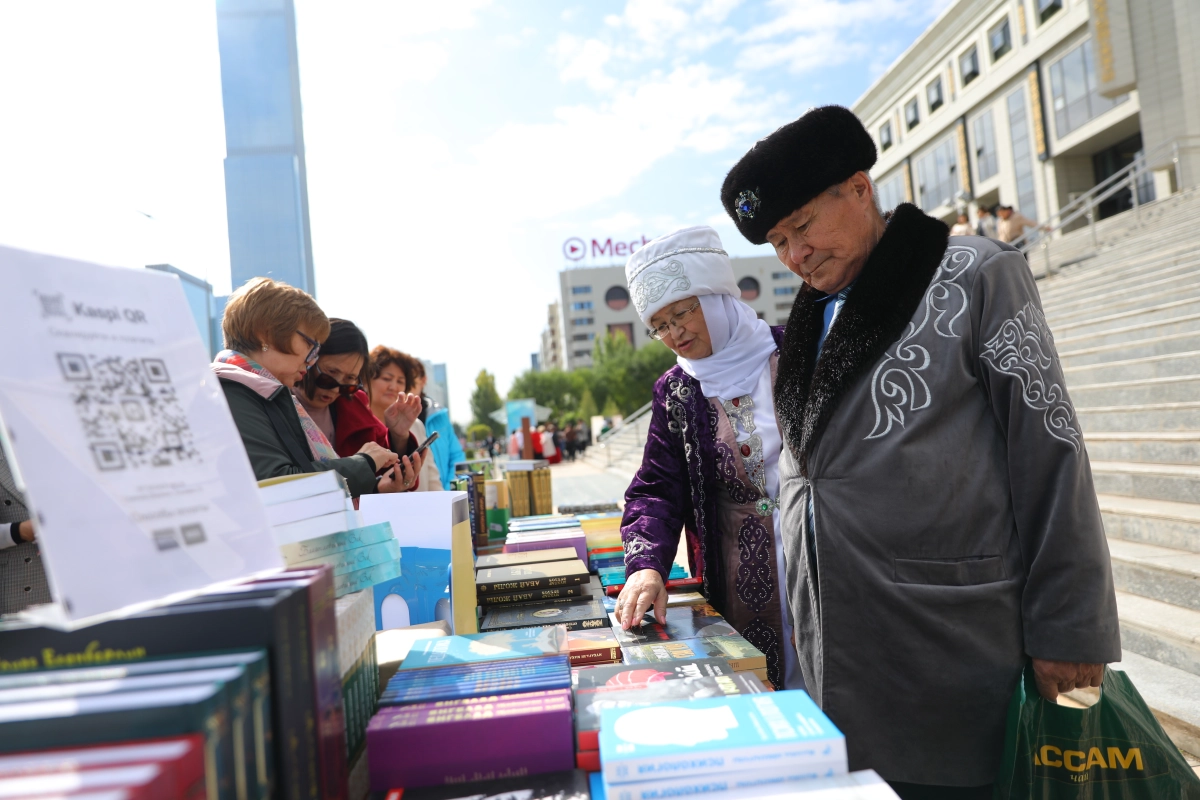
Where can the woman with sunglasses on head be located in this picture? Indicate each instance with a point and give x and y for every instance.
(393, 374)
(712, 452)
(273, 334)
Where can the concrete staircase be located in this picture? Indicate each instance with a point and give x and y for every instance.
(1126, 322)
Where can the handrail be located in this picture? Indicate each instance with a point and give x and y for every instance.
(1085, 205)
(632, 418)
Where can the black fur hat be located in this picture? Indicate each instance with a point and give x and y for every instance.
(792, 166)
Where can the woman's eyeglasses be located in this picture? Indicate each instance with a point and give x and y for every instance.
(315, 349)
(323, 380)
(677, 321)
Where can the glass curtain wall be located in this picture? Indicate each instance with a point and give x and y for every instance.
(1022, 149)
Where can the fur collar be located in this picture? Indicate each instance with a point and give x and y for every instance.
(887, 294)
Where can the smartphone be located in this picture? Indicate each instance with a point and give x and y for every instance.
(425, 444)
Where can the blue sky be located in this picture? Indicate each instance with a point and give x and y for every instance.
(452, 146)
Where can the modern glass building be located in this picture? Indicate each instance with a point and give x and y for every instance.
(266, 192)
(206, 309)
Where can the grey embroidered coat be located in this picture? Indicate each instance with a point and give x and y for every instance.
(957, 531)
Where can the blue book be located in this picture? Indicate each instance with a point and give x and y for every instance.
(481, 648)
(477, 680)
(770, 731)
(596, 784)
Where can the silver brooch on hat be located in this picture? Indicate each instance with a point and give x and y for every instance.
(746, 204)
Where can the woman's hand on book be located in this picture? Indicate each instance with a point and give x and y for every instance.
(643, 590)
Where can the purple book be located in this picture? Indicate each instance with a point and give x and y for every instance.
(473, 739)
(547, 540)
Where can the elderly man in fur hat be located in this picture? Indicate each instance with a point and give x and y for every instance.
(939, 521)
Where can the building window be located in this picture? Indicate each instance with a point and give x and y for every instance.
(581, 353)
(581, 290)
(749, 287)
(1000, 39)
(984, 134)
(912, 114)
(782, 276)
(616, 298)
(937, 175)
(885, 136)
(782, 306)
(891, 192)
(583, 321)
(1048, 8)
(1073, 87)
(584, 305)
(1022, 150)
(622, 329)
(968, 65)
(933, 93)
(782, 290)
(583, 337)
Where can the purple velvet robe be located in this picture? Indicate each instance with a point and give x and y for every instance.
(676, 487)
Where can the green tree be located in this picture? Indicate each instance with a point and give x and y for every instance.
(587, 407)
(477, 432)
(484, 400)
(610, 408)
(559, 391)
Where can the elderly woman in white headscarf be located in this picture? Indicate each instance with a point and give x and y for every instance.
(711, 461)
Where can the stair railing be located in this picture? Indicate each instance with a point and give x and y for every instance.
(1087, 205)
(606, 442)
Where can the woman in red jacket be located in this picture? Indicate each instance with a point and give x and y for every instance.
(334, 395)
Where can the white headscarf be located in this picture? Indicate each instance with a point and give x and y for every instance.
(742, 347)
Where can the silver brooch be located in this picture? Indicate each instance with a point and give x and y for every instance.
(746, 205)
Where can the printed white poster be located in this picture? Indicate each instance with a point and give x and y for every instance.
(131, 462)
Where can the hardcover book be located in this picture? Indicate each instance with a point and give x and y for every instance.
(480, 738)
(588, 705)
(532, 596)
(594, 646)
(310, 549)
(314, 527)
(486, 647)
(477, 680)
(740, 654)
(523, 577)
(777, 779)
(582, 614)
(639, 676)
(567, 785)
(684, 622)
(718, 736)
(547, 540)
(531, 557)
(306, 508)
(180, 759)
(120, 716)
(145, 781)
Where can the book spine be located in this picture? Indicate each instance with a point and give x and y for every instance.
(529, 584)
(570, 625)
(264, 741)
(530, 596)
(769, 756)
(724, 782)
(327, 688)
(607, 655)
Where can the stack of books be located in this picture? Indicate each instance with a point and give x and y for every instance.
(716, 745)
(529, 487)
(440, 725)
(862, 785)
(690, 632)
(161, 768)
(357, 665)
(603, 530)
(540, 587)
(615, 575)
(633, 686)
(531, 582)
(314, 523)
(295, 695)
(545, 533)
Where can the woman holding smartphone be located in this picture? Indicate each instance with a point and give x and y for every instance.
(335, 396)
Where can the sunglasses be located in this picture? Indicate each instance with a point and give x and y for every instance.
(329, 383)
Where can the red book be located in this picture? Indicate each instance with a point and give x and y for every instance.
(588, 760)
(147, 781)
(181, 761)
(593, 646)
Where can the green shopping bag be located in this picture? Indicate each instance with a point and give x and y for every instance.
(1115, 750)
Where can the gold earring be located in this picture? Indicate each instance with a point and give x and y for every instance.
(265, 348)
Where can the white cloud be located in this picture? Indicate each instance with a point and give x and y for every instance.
(583, 60)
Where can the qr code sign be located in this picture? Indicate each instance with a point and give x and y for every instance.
(129, 411)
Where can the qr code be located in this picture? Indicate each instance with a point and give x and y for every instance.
(129, 412)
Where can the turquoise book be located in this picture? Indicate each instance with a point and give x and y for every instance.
(323, 546)
(769, 731)
(357, 558)
(480, 648)
(360, 579)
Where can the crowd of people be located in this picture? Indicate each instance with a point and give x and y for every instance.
(1004, 223)
(551, 443)
(308, 394)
